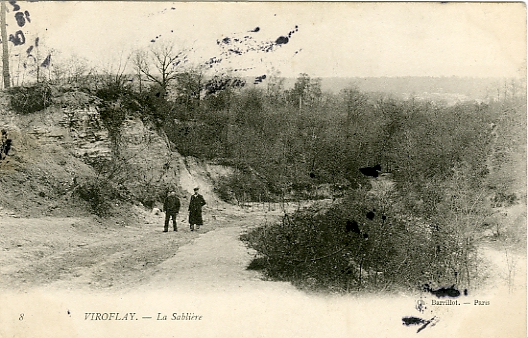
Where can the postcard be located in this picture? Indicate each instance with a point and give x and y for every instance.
(263, 169)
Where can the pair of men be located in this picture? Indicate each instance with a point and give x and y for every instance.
(171, 206)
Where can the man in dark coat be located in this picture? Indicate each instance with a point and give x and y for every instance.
(195, 210)
(171, 206)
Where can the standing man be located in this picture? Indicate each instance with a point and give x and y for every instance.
(195, 210)
(171, 206)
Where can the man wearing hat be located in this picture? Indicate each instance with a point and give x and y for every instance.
(195, 210)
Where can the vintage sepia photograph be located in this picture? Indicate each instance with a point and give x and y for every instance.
(263, 169)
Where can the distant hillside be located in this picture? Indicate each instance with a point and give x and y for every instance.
(463, 88)
(448, 89)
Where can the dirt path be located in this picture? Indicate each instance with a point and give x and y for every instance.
(215, 260)
(82, 254)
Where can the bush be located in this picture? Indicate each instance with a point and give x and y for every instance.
(30, 99)
(365, 242)
(100, 193)
(242, 187)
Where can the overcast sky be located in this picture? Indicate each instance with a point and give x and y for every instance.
(332, 39)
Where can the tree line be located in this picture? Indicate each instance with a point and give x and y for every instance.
(289, 141)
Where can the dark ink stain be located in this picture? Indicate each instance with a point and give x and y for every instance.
(218, 84)
(408, 321)
(19, 17)
(235, 51)
(370, 215)
(412, 321)
(425, 325)
(352, 226)
(28, 51)
(37, 42)
(26, 13)
(443, 292)
(16, 7)
(371, 171)
(212, 61)
(465, 292)
(152, 40)
(312, 175)
(259, 79)
(17, 39)
(281, 40)
(46, 62)
(383, 217)
(238, 45)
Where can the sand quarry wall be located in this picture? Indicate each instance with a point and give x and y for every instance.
(52, 150)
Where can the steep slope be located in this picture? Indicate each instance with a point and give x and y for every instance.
(38, 176)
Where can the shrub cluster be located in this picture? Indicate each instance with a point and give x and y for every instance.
(101, 194)
(363, 242)
(30, 99)
(242, 187)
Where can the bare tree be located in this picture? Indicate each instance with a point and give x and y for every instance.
(114, 71)
(161, 64)
(137, 60)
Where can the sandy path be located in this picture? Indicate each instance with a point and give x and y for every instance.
(215, 260)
